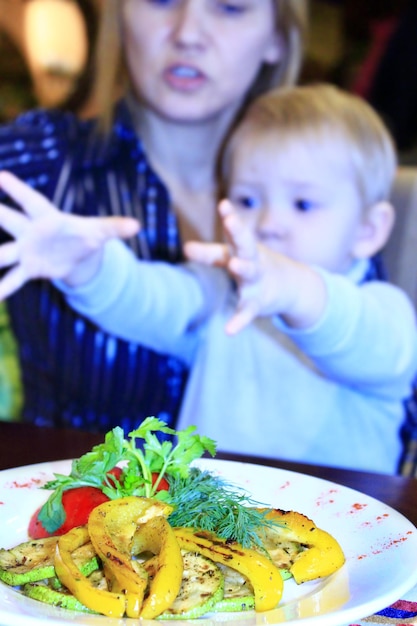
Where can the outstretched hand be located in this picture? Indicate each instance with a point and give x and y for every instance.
(254, 267)
(49, 243)
(269, 283)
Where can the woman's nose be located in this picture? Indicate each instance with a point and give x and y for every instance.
(189, 23)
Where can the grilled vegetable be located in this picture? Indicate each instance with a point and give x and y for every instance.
(34, 560)
(29, 561)
(46, 594)
(99, 600)
(238, 592)
(201, 588)
(112, 527)
(157, 536)
(311, 552)
(264, 577)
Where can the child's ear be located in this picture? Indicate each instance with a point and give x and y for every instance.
(374, 230)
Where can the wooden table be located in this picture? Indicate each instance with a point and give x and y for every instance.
(23, 444)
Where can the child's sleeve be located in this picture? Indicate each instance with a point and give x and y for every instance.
(153, 303)
(366, 337)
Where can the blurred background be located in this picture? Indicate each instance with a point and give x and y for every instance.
(45, 52)
(369, 47)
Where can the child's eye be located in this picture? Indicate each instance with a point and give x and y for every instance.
(246, 202)
(303, 205)
(162, 3)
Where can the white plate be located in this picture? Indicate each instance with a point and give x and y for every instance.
(380, 547)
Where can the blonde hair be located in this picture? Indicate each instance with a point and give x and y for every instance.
(112, 76)
(322, 112)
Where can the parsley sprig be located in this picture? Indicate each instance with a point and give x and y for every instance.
(141, 455)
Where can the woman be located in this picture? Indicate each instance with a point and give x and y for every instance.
(186, 70)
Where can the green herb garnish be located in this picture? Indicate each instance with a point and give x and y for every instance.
(200, 499)
(205, 501)
(139, 463)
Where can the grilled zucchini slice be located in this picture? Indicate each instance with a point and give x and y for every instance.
(46, 594)
(32, 561)
(201, 588)
(52, 592)
(238, 592)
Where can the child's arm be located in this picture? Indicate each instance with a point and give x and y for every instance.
(269, 283)
(49, 243)
(363, 337)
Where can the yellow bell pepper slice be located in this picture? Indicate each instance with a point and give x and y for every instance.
(111, 527)
(100, 600)
(264, 577)
(321, 554)
(157, 537)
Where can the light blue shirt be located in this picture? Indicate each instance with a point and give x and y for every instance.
(331, 394)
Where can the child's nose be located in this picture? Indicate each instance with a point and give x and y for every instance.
(273, 223)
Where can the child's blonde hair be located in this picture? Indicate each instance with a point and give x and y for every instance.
(319, 113)
(290, 21)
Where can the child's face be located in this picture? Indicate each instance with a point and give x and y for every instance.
(300, 199)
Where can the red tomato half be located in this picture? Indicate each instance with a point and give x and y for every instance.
(78, 504)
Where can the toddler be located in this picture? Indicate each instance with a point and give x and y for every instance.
(318, 356)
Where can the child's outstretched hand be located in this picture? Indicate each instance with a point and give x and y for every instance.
(269, 283)
(248, 263)
(49, 243)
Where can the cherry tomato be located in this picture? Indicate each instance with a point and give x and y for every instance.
(163, 485)
(116, 472)
(78, 504)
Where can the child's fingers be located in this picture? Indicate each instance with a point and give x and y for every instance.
(243, 269)
(240, 237)
(225, 208)
(244, 315)
(207, 253)
(111, 227)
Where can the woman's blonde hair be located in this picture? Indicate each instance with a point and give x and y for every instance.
(112, 76)
(319, 113)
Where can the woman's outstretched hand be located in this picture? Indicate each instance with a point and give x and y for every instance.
(49, 243)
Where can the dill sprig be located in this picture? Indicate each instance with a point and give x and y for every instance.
(205, 501)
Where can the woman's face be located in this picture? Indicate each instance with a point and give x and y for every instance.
(190, 60)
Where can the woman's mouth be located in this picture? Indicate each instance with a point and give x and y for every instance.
(184, 77)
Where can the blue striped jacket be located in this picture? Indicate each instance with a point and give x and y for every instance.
(73, 373)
